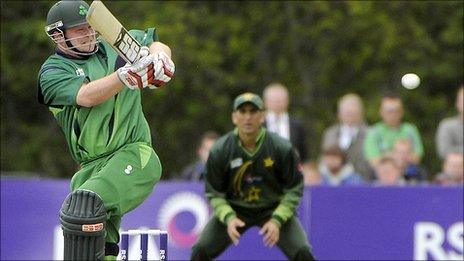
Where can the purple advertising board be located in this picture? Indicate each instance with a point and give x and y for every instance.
(402, 223)
(341, 223)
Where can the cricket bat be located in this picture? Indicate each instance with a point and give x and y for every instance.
(112, 31)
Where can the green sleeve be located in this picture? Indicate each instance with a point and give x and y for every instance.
(216, 188)
(293, 189)
(371, 148)
(145, 37)
(59, 86)
(417, 143)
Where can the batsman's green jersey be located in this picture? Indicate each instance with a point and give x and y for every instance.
(112, 140)
(266, 182)
(97, 131)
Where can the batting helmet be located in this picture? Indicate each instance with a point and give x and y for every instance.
(66, 14)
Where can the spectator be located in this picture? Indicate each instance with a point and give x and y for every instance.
(311, 174)
(388, 173)
(449, 136)
(335, 170)
(195, 170)
(349, 134)
(382, 136)
(452, 173)
(402, 154)
(276, 101)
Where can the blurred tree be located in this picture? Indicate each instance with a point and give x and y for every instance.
(320, 50)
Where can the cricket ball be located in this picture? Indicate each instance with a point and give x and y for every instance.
(410, 81)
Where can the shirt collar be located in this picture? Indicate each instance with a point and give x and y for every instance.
(259, 139)
(65, 55)
(271, 116)
(346, 127)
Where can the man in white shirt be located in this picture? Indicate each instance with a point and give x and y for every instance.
(278, 124)
(349, 133)
(347, 136)
(276, 101)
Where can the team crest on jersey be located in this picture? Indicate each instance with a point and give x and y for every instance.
(237, 162)
(268, 162)
(80, 72)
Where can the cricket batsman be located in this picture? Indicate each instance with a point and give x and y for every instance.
(252, 179)
(96, 99)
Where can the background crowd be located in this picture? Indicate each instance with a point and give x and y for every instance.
(388, 152)
(320, 50)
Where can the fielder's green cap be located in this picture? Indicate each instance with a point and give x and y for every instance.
(248, 97)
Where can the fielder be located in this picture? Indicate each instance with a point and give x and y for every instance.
(252, 179)
(96, 99)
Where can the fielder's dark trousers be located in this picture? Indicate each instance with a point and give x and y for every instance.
(214, 240)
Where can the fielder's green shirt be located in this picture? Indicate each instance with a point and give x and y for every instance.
(102, 129)
(267, 180)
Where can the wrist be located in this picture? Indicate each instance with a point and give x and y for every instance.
(277, 220)
(229, 217)
(128, 78)
(118, 76)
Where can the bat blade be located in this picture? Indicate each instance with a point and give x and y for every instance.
(112, 31)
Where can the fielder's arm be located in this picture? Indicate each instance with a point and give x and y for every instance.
(216, 187)
(293, 189)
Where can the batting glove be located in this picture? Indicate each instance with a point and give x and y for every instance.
(164, 69)
(140, 74)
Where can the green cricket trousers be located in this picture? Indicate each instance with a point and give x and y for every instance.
(123, 180)
(214, 239)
